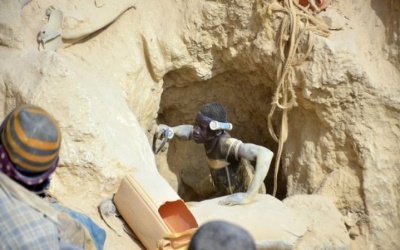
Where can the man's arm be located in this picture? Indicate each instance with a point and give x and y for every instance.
(263, 158)
(181, 131)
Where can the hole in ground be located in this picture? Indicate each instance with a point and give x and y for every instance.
(247, 99)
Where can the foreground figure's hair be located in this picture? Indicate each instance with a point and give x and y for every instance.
(215, 111)
(221, 235)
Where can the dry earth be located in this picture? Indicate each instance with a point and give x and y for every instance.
(125, 66)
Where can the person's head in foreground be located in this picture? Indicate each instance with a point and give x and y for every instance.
(29, 146)
(221, 235)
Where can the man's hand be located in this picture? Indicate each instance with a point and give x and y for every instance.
(164, 130)
(236, 199)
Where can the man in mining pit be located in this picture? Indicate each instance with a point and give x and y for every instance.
(228, 158)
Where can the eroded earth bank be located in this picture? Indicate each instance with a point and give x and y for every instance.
(121, 67)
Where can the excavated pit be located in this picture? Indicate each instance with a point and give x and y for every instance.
(107, 89)
(247, 99)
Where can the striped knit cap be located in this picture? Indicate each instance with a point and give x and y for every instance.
(31, 138)
(214, 111)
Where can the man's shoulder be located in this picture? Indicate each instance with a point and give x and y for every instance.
(229, 145)
(227, 140)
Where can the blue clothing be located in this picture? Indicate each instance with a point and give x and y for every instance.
(97, 234)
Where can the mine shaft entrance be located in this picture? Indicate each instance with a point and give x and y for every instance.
(247, 99)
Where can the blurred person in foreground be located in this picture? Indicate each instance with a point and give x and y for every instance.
(30, 142)
(221, 235)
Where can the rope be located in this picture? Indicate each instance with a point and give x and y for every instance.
(298, 24)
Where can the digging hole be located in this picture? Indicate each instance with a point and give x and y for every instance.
(247, 99)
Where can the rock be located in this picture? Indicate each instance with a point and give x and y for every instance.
(271, 223)
(326, 226)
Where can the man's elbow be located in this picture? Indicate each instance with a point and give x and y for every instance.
(265, 152)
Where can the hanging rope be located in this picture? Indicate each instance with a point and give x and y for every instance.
(298, 25)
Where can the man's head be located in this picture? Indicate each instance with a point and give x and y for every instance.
(208, 112)
(215, 111)
(30, 143)
(221, 235)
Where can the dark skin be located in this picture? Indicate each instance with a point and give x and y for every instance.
(202, 134)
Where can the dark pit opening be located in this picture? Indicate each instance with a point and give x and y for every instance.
(247, 99)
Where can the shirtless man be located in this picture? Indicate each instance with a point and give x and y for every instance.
(224, 154)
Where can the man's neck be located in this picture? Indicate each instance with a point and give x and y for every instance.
(211, 144)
